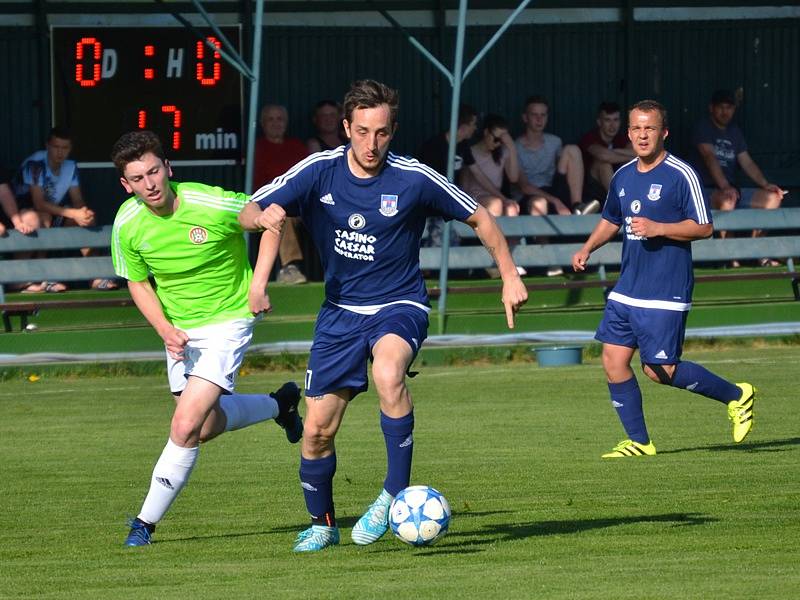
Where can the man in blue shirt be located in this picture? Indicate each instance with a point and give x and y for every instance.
(366, 209)
(721, 149)
(658, 200)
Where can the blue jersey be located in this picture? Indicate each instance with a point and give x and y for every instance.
(35, 170)
(655, 273)
(368, 230)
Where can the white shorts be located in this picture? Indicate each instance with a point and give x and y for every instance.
(214, 352)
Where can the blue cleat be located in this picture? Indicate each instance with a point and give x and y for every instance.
(288, 397)
(141, 533)
(315, 538)
(374, 523)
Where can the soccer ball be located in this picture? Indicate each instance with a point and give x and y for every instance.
(419, 515)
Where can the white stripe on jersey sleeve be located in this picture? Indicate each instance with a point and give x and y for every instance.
(694, 186)
(280, 180)
(127, 214)
(412, 164)
(209, 200)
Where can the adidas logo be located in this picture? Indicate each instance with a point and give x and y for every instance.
(661, 354)
(407, 442)
(622, 192)
(327, 199)
(165, 482)
(616, 404)
(691, 386)
(307, 486)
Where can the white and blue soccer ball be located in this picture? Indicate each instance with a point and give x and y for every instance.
(419, 515)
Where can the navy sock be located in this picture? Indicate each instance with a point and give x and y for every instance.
(695, 378)
(398, 435)
(626, 398)
(316, 478)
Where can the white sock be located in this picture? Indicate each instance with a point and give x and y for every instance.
(242, 410)
(169, 476)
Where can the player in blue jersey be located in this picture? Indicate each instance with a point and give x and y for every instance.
(366, 209)
(658, 201)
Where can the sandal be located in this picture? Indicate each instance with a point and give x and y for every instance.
(54, 287)
(104, 284)
(769, 262)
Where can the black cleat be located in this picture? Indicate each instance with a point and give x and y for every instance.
(288, 397)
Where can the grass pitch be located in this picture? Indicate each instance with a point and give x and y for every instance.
(515, 449)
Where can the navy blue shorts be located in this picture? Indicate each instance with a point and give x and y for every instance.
(657, 333)
(343, 342)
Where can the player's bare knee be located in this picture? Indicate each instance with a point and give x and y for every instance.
(185, 431)
(317, 439)
(659, 373)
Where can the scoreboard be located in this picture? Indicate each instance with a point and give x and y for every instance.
(107, 81)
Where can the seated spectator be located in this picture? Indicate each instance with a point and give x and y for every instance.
(551, 174)
(720, 150)
(276, 153)
(604, 149)
(434, 153)
(493, 157)
(24, 221)
(327, 121)
(48, 183)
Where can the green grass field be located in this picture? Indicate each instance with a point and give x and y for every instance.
(514, 447)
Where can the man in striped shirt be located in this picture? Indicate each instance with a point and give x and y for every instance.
(366, 209)
(658, 201)
(187, 236)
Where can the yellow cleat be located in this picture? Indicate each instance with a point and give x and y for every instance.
(740, 412)
(630, 448)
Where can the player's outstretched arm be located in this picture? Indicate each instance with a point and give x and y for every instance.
(602, 233)
(514, 292)
(144, 296)
(258, 298)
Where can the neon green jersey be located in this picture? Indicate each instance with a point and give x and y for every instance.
(197, 255)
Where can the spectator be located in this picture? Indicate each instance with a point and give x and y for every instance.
(434, 153)
(604, 149)
(493, 157)
(327, 121)
(275, 154)
(721, 148)
(25, 221)
(551, 173)
(48, 183)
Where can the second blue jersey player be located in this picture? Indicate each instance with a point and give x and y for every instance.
(658, 201)
(366, 210)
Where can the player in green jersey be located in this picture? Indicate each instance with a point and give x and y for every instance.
(186, 235)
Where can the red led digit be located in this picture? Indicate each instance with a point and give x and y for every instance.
(216, 70)
(176, 124)
(142, 119)
(149, 50)
(96, 53)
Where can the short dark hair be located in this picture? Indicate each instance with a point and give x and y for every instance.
(650, 106)
(132, 146)
(535, 99)
(492, 121)
(723, 97)
(466, 113)
(608, 107)
(368, 93)
(59, 132)
(327, 102)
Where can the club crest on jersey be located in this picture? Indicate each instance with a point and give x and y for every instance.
(356, 221)
(636, 206)
(388, 205)
(655, 192)
(198, 235)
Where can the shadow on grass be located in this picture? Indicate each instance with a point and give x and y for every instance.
(766, 446)
(489, 535)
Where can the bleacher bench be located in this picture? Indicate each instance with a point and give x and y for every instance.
(566, 235)
(79, 268)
